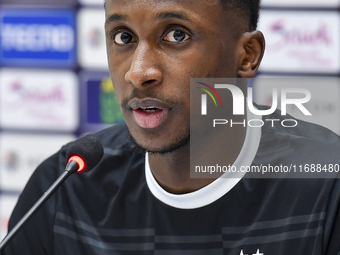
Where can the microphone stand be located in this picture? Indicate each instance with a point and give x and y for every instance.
(71, 168)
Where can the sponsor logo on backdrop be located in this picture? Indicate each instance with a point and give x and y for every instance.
(20, 154)
(109, 108)
(100, 105)
(315, 37)
(53, 3)
(92, 2)
(13, 161)
(39, 100)
(304, 3)
(91, 46)
(319, 35)
(10, 161)
(37, 37)
(36, 95)
(301, 41)
(95, 37)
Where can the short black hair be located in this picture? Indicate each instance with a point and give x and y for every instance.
(247, 8)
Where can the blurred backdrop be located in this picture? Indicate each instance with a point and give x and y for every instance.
(55, 85)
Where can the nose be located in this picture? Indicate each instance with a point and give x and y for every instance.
(144, 70)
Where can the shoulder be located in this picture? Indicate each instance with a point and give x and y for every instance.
(298, 133)
(115, 140)
(288, 126)
(114, 137)
(85, 189)
(118, 174)
(300, 148)
(120, 156)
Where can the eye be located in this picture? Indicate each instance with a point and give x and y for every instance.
(177, 36)
(123, 38)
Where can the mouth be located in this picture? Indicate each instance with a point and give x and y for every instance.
(149, 113)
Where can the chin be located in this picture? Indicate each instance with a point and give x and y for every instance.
(161, 147)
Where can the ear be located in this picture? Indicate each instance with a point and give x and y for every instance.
(250, 52)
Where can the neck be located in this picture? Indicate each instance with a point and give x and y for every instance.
(172, 170)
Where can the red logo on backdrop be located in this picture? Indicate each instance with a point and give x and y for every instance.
(300, 36)
(54, 94)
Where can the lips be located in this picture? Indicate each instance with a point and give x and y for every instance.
(149, 113)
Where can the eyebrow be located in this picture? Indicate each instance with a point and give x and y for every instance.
(171, 15)
(115, 17)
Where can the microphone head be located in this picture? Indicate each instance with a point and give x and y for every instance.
(89, 149)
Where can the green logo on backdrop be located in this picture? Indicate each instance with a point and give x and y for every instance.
(109, 108)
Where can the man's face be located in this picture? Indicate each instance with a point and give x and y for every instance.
(154, 47)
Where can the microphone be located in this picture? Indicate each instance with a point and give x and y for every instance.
(83, 155)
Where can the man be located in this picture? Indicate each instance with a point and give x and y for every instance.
(146, 203)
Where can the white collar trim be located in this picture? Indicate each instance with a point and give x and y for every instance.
(217, 188)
